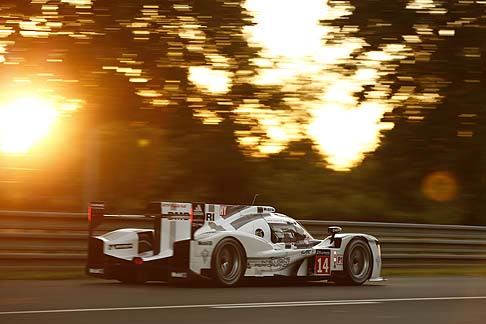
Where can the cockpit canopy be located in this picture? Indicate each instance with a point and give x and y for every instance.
(286, 230)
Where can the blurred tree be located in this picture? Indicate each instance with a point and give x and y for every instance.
(449, 59)
(130, 62)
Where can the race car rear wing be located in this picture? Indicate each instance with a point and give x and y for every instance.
(173, 210)
(193, 212)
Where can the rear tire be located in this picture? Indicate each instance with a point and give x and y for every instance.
(358, 263)
(228, 262)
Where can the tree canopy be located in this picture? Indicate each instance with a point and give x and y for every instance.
(187, 100)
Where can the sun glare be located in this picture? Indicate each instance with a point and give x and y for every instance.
(78, 2)
(299, 53)
(23, 123)
(345, 135)
(214, 81)
(303, 55)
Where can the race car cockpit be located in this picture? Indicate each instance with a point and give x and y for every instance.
(288, 232)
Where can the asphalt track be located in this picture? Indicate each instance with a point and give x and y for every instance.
(454, 300)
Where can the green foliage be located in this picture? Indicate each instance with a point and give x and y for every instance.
(153, 152)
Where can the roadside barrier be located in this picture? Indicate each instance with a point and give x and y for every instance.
(58, 241)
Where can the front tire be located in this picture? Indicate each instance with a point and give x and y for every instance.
(228, 262)
(358, 263)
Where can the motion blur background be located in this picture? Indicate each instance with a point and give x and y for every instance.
(354, 110)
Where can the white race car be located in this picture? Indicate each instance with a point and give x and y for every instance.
(228, 243)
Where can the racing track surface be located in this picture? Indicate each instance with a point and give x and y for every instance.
(443, 300)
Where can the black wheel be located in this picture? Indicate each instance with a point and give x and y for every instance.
(358, 263)
(228, 262)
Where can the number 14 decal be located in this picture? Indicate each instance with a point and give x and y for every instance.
(322, 266)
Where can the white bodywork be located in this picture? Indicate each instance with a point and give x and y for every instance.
(255, 228)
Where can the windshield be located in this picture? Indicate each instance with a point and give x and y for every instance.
(288, 232)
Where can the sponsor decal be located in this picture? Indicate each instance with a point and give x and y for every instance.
(261, 209)
(198, 215)
(198, 210)
(210, 217)
(339, 260)
(204, 243)
(120, 246)
(178, 274)
(306, 252)
(205, 255)
(280, 262)
(274, 264)
(223, 210)
(259, 232)
(179, 215)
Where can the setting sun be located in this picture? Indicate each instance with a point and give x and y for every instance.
(24, 122)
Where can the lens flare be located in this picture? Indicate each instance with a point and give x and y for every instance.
(440, 186)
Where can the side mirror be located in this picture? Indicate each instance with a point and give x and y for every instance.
(333, 230)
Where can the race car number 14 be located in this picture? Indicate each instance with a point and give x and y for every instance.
(322, 265)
